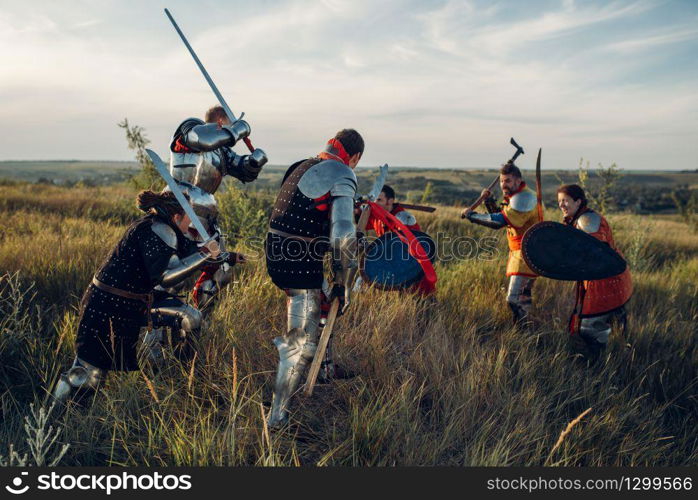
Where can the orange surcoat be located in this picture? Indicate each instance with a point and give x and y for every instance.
(602, 296)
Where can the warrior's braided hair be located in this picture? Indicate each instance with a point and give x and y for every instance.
(164, 204)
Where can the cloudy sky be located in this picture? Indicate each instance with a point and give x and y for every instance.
(427, 83)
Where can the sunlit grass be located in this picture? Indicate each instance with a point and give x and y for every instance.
(454, 385)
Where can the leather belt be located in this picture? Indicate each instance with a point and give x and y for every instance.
(293, 236)
(144, 297)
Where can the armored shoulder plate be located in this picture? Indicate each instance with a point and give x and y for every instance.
(166, 233)
(589, 222)
(525, 201)
(183, 128)
(406, 218)
(183, 164)
(208, 137)
(328, 176)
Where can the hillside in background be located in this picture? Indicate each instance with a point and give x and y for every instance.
(636, 191)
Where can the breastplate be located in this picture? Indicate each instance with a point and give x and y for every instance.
(203, 170)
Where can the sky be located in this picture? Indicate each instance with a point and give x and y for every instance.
(427, 83)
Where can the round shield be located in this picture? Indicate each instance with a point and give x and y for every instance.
(389, 265)
(562, 252)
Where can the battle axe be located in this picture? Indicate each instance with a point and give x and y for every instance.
(478, 202)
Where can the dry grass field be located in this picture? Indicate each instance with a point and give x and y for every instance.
(453, 384)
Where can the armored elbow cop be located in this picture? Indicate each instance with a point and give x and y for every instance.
(180, 269)
(209, 136)
(343, 241)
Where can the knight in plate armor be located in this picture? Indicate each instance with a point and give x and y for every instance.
(201, 155)
(517, 213)
(600, 304)
(313, 214)
(122, 296)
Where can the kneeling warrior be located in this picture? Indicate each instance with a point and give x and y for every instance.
(120, 299)
(313, 213)
(201, 156)
(517, 213)
(386, 199)
(600, 304)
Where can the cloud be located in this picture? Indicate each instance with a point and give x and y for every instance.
(436, 82)
(649, 42)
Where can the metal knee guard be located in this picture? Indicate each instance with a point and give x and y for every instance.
(187, 323)
(81, 376)
(304, 310)
(188, 318)
(296, 349)
(597, 329)
(519, 297)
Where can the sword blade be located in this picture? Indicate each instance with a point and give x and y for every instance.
(378, 183)
(174, 187)
(222, 102)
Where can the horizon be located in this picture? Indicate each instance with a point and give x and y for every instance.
(434, 84)
(591, 169)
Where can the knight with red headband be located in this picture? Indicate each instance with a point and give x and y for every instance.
(313, 214)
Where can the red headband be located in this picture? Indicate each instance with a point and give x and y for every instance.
(335, 149)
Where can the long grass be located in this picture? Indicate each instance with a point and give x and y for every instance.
(448, 384)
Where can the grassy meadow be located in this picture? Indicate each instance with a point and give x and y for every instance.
(450, 384)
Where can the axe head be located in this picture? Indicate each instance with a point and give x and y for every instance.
(519, 150)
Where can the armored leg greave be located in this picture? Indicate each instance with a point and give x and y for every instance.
(596, 330)
(519, 297)
(296, 349)
(82, 376)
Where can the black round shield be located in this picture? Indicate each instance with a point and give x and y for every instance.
(389, 265)
(562, 252)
